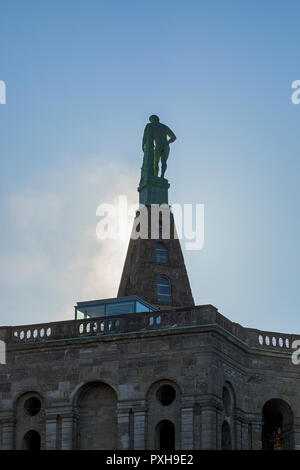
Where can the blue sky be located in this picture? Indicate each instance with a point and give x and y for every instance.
(82, 78)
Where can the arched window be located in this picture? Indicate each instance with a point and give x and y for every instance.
(161, 253)
(163, 289)
(32, 440)
(165, 435)
(227, 401)
(226, 439)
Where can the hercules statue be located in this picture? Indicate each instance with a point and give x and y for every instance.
(156, 133)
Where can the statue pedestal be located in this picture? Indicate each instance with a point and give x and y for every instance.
(154, 190)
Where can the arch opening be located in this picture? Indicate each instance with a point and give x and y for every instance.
(227, 401)
(97, 406)
(226, 437)
(165, 435)
(277, 426)
(32, 440)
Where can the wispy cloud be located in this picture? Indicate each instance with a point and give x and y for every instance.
(50, 255)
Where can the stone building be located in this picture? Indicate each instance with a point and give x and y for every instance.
(148, 369)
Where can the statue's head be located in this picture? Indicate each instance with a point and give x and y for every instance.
(153, 118)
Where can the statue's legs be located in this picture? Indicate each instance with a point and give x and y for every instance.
(156, 162)
(161, 154)
(164, 158)
(158, 151)
(163, 166)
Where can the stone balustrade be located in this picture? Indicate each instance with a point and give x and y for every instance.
(180, 318)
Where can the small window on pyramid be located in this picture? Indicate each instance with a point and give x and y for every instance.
(161, 253)
(163, 289)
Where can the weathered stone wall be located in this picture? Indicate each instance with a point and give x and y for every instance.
(157, 412)
(99, 389)
(26, 422)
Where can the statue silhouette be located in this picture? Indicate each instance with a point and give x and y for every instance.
(156, 133)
